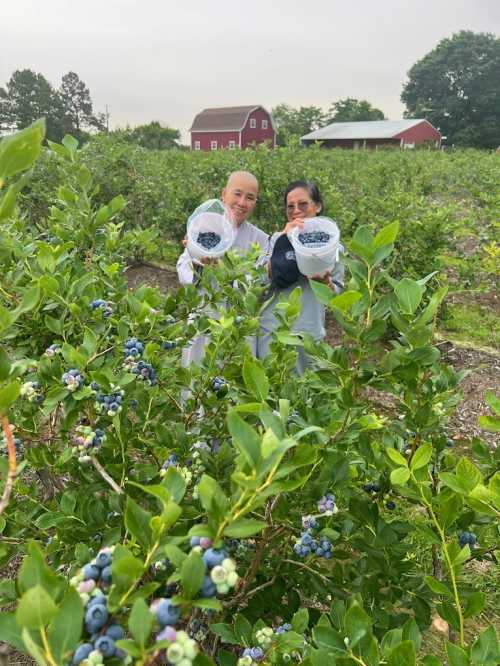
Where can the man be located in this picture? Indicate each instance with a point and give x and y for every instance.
(239, 198)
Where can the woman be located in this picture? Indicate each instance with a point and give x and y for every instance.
(302, 200)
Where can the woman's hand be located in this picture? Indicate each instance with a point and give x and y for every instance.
(297, 222)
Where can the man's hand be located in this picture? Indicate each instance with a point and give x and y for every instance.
(209, 261)
(325, 279)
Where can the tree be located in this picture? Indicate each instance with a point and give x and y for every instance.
(27, 97)
(457, 88)
(77, 106)
(293, 122)
(153, 136)
(352, 110)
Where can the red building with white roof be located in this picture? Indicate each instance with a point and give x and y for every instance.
(232, 127)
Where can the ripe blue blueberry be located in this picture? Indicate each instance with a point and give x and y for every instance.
(91, 571)
(208, 588)
(103, 559)
(95, 618)
(106, 646)
(168, 613)
(115, 631)
(213, 557)
(82, 652)
(106, 576)
(391, 506)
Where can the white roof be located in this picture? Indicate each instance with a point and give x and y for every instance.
(367, 129)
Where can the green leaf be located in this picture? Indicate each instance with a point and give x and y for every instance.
(129, 646)
(4, 365)
(246, 440)
(175, 483)
(225, 632)
(421, 456)
(20, 150)
(387, 235)
(402, 655)
(137, 523)
(243, 630)
(70, 143)
(175, 555)
(431, 661)
(192, 574)
(485, 651)
(140, 622)
(34, 649)
(8, 395)
(345, 300)
(326, 637)
(491, 423)
(468, 474)
(411, 632)
(493, 402)
(242, 528)
(255, 378)
(357, 624)
(400, 476)
(437, 587)
(456, 656)
(409, 294)
(323, 292)
(34, 571)
(29, 301)
(66, 627)
(300, 620)
(10, 631)
(35, 609)
(396, 457)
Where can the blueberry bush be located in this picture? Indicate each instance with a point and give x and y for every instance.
(231, 513)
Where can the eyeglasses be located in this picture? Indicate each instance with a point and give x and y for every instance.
(301, 205)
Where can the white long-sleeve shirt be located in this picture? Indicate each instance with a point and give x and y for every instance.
(247, 235)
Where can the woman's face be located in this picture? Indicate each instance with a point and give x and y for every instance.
(299, 205)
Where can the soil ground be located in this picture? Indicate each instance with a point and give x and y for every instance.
(483, 375)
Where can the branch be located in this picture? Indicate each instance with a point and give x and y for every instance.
(12, 474)
(106, 476)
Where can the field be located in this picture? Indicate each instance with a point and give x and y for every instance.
(235, 513)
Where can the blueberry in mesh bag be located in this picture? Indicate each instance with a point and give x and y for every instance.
(314, 238)
(208, 239)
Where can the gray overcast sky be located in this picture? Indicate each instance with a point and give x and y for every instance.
(167, 60)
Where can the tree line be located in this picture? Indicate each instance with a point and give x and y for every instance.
(456, 86)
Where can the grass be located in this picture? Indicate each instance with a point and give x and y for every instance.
(478, 324)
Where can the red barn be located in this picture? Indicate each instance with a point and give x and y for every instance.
(375, 133)
(232, 127)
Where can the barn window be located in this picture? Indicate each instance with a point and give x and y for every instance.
(232, 144)
(213, 145)
(197, 145)
(253, 123)
(264, 124)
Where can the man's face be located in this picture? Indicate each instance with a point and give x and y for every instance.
(240, 197)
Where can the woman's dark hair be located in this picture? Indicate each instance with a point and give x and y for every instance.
(311, 188)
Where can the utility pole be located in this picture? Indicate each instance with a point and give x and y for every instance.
(107, 119)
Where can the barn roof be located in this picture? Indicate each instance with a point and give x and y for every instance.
(368, 129)
(228, 118)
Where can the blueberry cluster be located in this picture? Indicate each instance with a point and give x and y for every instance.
(219, 384)
(73, 380)
(283, 628)
(208, 239)
(251, 656)
(87, 441)
(371, 488)
(326, 505)
(133, 348)
(144, 371)
(109, 403)
(92, 582)
(52, 350)
(31, 391)
(18, 445)
(182, 649)
(168, 344)
(105, 306)
(264, 637)
(314, 238)
(308, 544)
(221, 572)
(309, 523)
(171, 461)
(465, 538)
